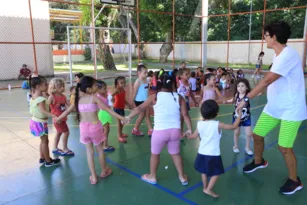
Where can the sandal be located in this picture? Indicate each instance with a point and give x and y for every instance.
(57, 152)
(106, 173)
(145, 179)
(109, 149)
(124, 135)
(68, 153)
(184, 182)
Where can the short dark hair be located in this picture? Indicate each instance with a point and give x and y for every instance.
(101, 84)
(79, 75)
(209, 109)
(118, 79)
(193, 74)
(141, 67)
(280, 29)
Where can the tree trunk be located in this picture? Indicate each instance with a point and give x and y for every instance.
(105, 55)
(166, 48)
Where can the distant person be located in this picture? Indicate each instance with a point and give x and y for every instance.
(258, 65)
(24, 72)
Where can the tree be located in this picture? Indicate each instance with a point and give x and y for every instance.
(163, 23)
(104, 55)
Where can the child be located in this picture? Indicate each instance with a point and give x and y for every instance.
(198, 73)
(72, 91)
(119, 98)
(258, 65)
(208, 161)
(78, 77)
(193, 82)
(223, 81)
(209, 90)
(168, 107)
(240, 74)
(149, 78)
(104, 117)
(155, 80)
(91, 131)
(58, 105)
(39, 109)
(185, 91)
(242, 89)
(140, 95)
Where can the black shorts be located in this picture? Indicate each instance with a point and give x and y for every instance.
(138, 103)
(119, 111)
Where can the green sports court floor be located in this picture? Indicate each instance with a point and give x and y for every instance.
(23, 181)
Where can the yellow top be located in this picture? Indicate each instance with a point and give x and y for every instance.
(72, 99)
(37, 115)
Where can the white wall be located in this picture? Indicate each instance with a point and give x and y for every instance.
(15, 27)
(217, 53)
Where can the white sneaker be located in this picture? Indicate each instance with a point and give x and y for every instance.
(248, 151)
(258, 77)
(253, 76)
(236, 150)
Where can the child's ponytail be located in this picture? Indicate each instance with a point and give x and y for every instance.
(77, 101)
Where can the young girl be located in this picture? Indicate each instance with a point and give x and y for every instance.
(39, 109)
(58, 104)
(104, 117)
(223, 81)
(185, 91)
(209, 90)
(149, 78)
(208, 161)
(240, 74)
(119, 98)
(258, 65)
(242, 89)
(140, 95)
(168, 107)
(91, 131)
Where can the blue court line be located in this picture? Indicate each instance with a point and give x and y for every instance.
(233, 165)
(155, 185)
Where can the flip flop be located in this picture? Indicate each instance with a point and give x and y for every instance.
(57, 152)
(124, 135)
(107, 173)
(68, 153)
(92, 181)
(144, 178)
(109, 149)
(184, 183)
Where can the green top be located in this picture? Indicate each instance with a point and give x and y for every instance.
(37, 115)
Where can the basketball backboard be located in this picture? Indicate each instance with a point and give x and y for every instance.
(119, 2)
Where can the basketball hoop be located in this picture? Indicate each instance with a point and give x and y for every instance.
(119, 2)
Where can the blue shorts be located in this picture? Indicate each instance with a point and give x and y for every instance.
(257, 66)
(245, 123)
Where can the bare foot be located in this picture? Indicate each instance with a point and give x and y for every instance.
(210, 193)
(107, 171)
(93, 179)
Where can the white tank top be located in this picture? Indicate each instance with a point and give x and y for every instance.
(209, 137)
(167, 111)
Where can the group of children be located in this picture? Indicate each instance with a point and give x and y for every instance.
(171, 103)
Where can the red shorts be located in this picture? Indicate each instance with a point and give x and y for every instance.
(61, 127)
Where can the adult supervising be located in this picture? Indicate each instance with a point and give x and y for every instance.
(286, 104)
